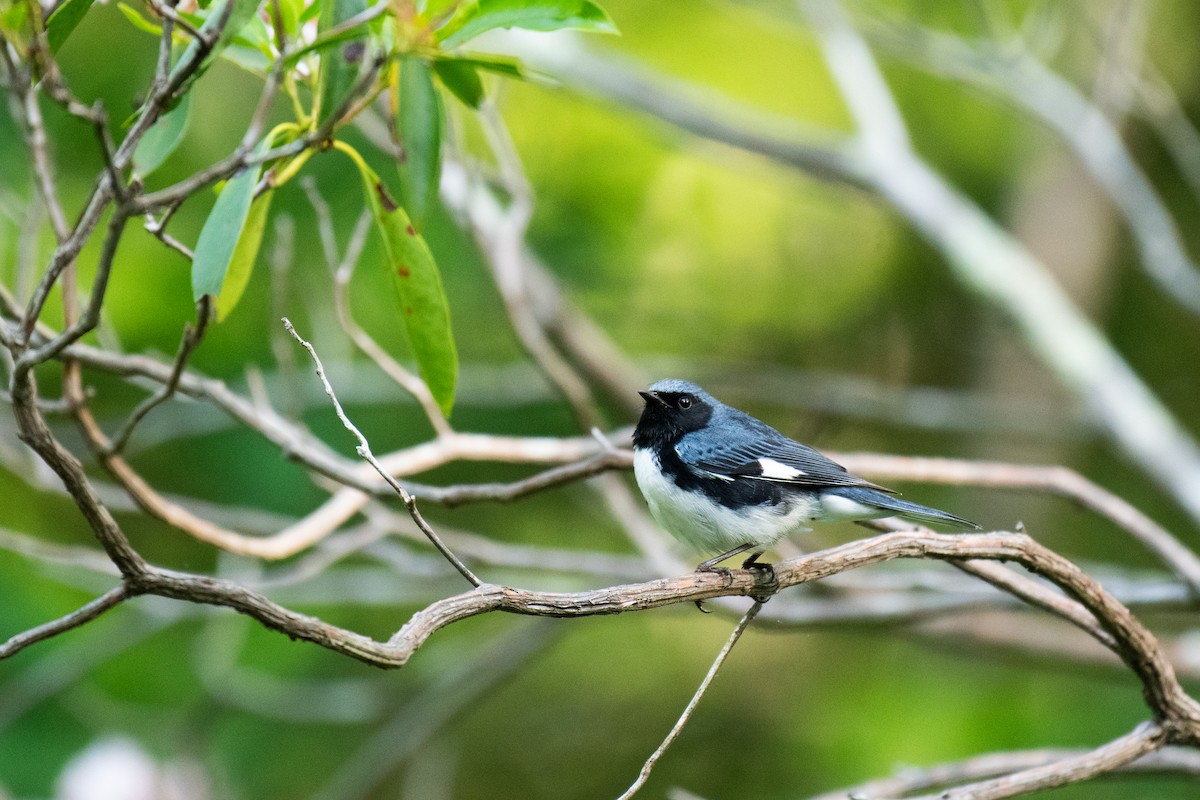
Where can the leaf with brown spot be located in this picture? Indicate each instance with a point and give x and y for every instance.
(418, 282)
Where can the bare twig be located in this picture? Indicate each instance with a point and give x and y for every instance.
(364, 450)
(500, 234)
(83, 615)
(192, 334)
(644, 775)
(1142, 740)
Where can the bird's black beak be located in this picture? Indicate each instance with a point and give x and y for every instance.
(648, 396)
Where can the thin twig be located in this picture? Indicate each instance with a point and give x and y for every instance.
(644, 775)
(81, 616)
(192, 335)
(364, 450)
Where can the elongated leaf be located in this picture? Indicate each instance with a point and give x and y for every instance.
(241, 264)
(162, 138)
(461, 78)
(63, 21)
(501, 65)
(222, 230)
(339, 65)
(423, 305)
(229, 16)
(420, 129)
(460, 74)
(289, 14)
(533, 15)
(138, 21)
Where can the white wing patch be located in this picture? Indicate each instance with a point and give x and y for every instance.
(777, 471)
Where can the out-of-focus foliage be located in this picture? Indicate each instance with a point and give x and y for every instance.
(767, 285)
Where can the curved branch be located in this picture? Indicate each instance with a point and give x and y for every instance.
(1142, 740)
(1010, 765)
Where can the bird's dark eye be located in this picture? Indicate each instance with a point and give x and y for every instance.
(685, 402)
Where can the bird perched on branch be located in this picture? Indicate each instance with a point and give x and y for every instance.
(722, 481)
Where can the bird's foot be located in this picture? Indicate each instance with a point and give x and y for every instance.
(766, 576)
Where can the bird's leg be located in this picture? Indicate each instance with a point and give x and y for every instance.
(710, 565)
(752, 562)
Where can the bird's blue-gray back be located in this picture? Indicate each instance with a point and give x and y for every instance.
(735, 443)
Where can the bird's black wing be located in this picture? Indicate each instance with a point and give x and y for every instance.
(741, 446)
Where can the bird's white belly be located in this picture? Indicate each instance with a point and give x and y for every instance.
(708, 526)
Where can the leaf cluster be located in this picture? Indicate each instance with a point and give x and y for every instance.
(333, 59)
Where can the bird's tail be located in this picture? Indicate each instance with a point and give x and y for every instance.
(890, 505)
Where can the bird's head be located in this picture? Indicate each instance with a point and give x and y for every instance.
(673, 408)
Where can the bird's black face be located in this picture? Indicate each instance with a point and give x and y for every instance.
(668, 416)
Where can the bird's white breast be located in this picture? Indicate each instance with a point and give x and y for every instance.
(708, 526)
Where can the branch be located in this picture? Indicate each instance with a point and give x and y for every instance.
(644, 775)
(192, 334)
(914, 779)
(87, 613)
(1056, 480)
(500, 235)
(1142, 740)
(1020, 78)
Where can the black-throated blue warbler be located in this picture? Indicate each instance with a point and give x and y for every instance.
(723, 481)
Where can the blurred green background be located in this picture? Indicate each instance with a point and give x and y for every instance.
(810, 304)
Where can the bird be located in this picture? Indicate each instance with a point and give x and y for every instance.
(723, 481)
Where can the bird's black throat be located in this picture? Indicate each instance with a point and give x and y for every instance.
(663, 422)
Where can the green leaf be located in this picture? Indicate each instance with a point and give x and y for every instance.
(501, 65)
(323, 43)
(162, 138)
(245, 253)
(423, 305)
(138, 21)
(222, 230)
(339, 66)
(419, 125)
(460, 74)
(461, 78)
(63, 21)
(311, 11)
(290, 12)
(234, 14)
(534, 15)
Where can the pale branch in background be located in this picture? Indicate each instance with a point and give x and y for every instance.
(1010, 71)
